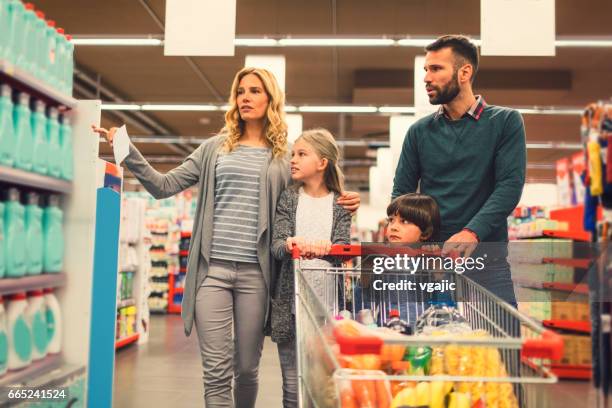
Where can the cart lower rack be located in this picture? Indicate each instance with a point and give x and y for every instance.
(496, 357)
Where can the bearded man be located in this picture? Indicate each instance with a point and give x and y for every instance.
(469, 156)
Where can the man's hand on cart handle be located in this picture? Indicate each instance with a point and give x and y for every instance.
(107, 134)
(350, 200)
(462, 243)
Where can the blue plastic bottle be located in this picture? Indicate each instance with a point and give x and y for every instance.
(23, 133)
(7, 128)
(34, 235)
(31, 46)
(17, 54)
(2, 243)
(53, 236)
(15, 236)
(40, 157)
(53, 144)
(67, 150)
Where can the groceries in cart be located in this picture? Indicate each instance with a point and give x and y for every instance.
(441, 315)
(394, 360)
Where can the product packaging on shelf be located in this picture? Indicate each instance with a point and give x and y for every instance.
(2, 243)
(35, 317)
(7, 127)
(53, 236)
(19, 333)
(16, 44)
(67, 169)
(34, 235)
(29, 53)
(42, 50)
(23, 133)
(40, 158)
(53, 318)
(3, 340)
(15, 235)
(53, 144)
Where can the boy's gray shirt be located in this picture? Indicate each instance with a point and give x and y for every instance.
(199, 168)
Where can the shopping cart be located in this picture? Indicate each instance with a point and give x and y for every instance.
(514, 352)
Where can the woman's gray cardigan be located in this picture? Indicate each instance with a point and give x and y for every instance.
(199, 168)
(282, 318)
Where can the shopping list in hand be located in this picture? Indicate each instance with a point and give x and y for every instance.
(121, 145)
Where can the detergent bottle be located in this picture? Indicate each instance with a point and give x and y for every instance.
(53, 143)
(7, 128)
(36, 319)
(14, 235)
(52, 53)
(2, 243)
(69, 69)
(3, 339)
(23, 133)
(16, 45)
(39, 136)
(42, 49)
(30, 45)
(53, 236)
(19, 333)
(34, 235)
(66, 148)
(54, 322)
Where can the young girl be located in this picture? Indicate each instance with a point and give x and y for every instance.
(307, 216)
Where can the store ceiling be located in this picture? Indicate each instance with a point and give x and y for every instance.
(575, 77)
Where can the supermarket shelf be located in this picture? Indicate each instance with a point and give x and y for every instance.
(183, 253)
(36, 369)
(571, 262)
(174, 308)
(574, 235)
(574, 372)
(581, 288)
(578, 326)
(126, 340)
(34, 180)
(23, 81)
(125, 303)
(27, 283)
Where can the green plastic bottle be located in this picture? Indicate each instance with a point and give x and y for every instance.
(15, 236)
(31, 46)
(23, 132)
(7, 128)
(2, 243)
(50, 77)
(66, 147)
(34, 235)
(17, 54)
(40, 36)
(53, 236)
(4, 26)
(69, 66)
(40, 157)
(53, 144)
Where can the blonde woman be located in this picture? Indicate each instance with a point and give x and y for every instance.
(240, 174)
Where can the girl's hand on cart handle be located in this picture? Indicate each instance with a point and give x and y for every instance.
(350, 200)
(108, 134)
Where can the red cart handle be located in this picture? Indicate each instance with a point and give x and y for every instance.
(549, 345)
(351, 251)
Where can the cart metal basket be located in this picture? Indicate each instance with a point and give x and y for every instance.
(516, 345)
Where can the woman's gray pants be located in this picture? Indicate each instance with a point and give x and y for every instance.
(229, 316)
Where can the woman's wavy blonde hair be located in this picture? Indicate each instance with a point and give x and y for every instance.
(275, 128)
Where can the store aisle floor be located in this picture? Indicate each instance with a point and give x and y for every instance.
(167, 372)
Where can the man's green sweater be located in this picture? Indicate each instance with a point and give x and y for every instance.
(473, 168)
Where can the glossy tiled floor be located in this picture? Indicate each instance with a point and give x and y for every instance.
(166, 372)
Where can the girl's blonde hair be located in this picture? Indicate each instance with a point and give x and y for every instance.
(326, 147)
(275, 128)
